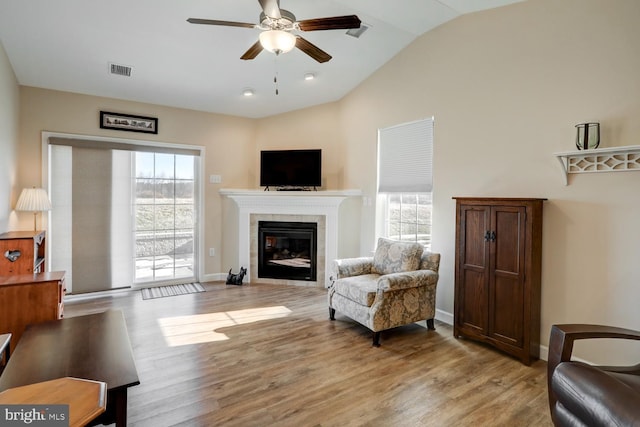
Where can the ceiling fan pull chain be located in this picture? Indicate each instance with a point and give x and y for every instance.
(275, 77)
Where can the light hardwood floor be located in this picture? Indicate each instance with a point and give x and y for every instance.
(267, 355)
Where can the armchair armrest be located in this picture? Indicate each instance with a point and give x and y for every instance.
(407, 279)
(349, 267)
(561, 346)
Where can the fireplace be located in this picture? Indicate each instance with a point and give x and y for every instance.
(318, 207)
(287, 250)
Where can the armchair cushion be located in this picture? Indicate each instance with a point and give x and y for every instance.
(361, 289)
(393, 257)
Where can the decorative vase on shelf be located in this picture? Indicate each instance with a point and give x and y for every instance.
(587, 136)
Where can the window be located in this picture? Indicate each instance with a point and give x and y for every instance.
(408, 217)
(405, 181)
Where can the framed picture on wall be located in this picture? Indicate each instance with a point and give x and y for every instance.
(128, 122)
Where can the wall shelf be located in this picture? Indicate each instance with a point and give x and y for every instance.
(615, 159)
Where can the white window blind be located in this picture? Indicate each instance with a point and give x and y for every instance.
(405, 154)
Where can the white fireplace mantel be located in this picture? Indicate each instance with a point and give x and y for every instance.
(251, 202)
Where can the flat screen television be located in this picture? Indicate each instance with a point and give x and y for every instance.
(291, 169)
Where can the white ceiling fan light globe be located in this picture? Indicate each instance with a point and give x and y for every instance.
(277, 41)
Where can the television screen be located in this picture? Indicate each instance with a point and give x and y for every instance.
(291, 168)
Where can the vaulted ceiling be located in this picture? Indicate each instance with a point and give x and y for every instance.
(69, 45)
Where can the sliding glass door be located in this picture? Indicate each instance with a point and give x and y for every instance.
(124, 214)
(164, 207)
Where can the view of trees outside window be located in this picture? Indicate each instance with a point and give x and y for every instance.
(409, 217)
(164, 216)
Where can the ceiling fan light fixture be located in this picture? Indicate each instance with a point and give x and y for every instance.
(277, 41)
(247, 92)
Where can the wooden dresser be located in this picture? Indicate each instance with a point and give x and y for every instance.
(498, 273)
(22, 252)
(30, 298)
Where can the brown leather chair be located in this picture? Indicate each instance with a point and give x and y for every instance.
(585, 395)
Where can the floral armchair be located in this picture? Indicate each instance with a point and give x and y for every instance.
(395, 287)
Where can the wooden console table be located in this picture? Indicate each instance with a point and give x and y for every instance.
(94, 347)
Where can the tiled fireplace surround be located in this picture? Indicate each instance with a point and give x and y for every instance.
(320, 207)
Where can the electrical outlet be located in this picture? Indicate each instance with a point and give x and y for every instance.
(212, 251)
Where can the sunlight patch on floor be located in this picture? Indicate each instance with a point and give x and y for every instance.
(201, 328)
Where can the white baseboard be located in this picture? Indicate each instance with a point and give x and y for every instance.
(214, 277)
(544, 353)
(100, 294)
(444, 317)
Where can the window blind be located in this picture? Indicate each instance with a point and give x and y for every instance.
(124, 146)
(405, 158)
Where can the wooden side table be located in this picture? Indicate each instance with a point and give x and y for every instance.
(86, 398)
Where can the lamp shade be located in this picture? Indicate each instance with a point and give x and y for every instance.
(33, 200)
(277, 41)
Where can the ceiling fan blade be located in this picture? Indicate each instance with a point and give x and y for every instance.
(253, 51)
(331, 23)
(223, 23)
(271, 8)
(312, 50)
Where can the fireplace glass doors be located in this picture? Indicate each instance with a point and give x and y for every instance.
(287, 250)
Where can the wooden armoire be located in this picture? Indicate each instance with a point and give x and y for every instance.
(497, 276)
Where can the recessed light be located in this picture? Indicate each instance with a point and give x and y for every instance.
(309, 76)
(247, 92)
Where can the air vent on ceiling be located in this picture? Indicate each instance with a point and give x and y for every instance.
(357, 32)
(119, 70)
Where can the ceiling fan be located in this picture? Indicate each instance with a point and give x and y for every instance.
(277, 26)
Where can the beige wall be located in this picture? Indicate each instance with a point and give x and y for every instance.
(9, 119)
(227, 141)
(307, 129)
(506, 87)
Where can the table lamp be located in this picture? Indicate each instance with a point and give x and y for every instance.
(33, 200)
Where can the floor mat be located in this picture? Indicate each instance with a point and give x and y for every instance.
(172, 290)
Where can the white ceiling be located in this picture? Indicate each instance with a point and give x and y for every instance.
(68, 44)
